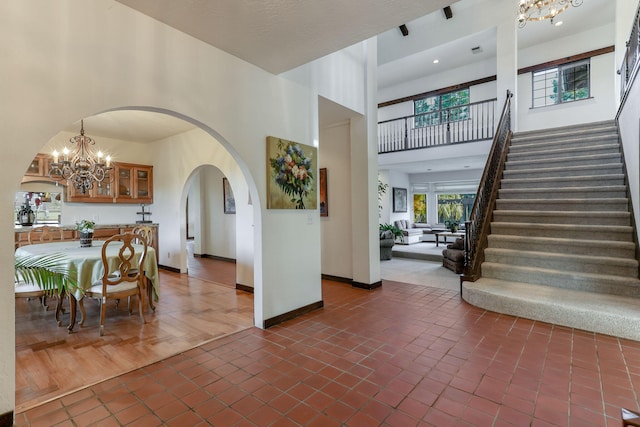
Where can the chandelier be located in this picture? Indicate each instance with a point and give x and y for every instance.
(82, 168)
(538, 10)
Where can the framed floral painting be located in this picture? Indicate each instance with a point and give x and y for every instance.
(291, 175)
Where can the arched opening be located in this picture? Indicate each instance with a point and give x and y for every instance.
(188, 309)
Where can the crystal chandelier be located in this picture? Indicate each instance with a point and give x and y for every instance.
(82, 168)
(538, 10)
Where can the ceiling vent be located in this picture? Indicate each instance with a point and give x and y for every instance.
(476, 49)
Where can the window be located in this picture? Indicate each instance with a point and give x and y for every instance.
(420, 208)
(438, 109)
(455, 206)
(564, 83)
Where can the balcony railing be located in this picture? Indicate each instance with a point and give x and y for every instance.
(630, 62)
(466, 123)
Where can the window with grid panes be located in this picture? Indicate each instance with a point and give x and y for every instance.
(438, 109)
(560, 84)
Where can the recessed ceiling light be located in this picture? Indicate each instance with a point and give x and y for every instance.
(435, 61)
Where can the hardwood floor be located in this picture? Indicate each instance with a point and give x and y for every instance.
(193, 309)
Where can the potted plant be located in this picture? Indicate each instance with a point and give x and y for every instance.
(85, 228)
(397, 233)
(452, 213)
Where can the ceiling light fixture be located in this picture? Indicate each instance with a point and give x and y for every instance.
(435, 61)
(83, 167)
(538, 10)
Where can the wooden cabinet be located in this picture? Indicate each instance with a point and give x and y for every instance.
(134, 183)
(38, 169)
(127, 183)
(100, 193)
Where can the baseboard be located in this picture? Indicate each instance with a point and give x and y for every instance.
(6, 419)
(336, 278)
(166, 267)
(218, 258)
(292, 314)
(359, 285)
(368, 286)
(244, 288)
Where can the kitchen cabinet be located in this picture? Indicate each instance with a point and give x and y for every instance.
(127, 183)
(134, 183)
(38, 169)
(100, 193)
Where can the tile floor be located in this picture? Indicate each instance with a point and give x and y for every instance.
(401, 355)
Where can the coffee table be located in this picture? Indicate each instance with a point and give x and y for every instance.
(446, 234)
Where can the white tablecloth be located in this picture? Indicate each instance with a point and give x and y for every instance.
(88, 261)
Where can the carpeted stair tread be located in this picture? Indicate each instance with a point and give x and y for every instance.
(559, 152)
(563, 171)
(528, 226)
(587, 160)
(552, 182)
(560, 260)
(565, 131)
(578, 247)
(615, 204)
(553, 278)
(608, 314)
(522, 145)
(619, 218)
(608, 191)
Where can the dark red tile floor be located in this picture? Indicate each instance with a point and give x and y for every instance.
(401, 355)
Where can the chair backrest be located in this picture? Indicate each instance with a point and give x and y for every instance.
(145, 232)
(130, 259)
(44, 234)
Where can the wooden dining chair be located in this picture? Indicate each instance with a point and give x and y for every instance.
(146, 232)
(44, 234)
(123, 280)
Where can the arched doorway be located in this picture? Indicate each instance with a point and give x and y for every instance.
(86, 339)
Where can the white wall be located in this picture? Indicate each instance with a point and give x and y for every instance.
(602, 104)
(441, 80)
(336, 228)
(220, 236)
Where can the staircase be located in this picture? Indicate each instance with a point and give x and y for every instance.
(561, 246)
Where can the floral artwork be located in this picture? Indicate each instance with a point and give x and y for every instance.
(291, 175)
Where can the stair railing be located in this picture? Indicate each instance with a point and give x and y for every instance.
(477, 227)
(629, 68)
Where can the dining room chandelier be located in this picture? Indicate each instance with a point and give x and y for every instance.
(538, 10)
(82, 167)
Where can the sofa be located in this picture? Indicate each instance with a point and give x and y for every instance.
(415, 232)
(453, 256)
(386, 243)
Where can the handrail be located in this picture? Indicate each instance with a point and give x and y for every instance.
(475, 121)
(630, 63)
(477, 227)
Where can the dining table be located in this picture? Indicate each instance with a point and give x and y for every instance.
(86, 263)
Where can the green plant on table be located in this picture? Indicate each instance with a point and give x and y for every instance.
(85, 226)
